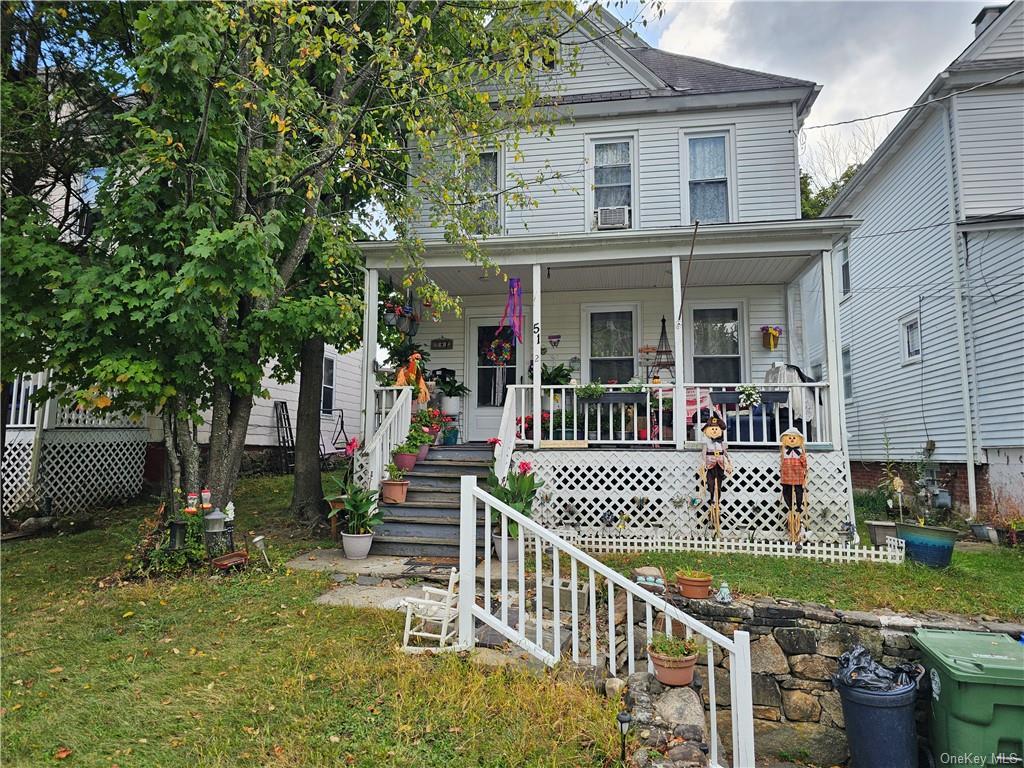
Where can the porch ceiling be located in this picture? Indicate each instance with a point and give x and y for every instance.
(755, 270)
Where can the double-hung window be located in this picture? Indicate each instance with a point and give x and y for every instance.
(327, 388)
(707, 175)
(483, 182)
(717, 345)
(910, 338)
(844, 269)
(613, 180)
(611, 343)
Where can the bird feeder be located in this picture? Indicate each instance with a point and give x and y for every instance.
(215, 535)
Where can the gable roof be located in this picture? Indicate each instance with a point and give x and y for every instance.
(700, 76)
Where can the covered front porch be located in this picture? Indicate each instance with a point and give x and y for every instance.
(670, 339)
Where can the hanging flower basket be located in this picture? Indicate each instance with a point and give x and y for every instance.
(770, 335)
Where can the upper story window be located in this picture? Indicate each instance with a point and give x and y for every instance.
(483, 183)
(844, 269)
(708, 160)
(910, 338)
(613, 183)
(327, 389)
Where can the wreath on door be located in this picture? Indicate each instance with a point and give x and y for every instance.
(499, 351)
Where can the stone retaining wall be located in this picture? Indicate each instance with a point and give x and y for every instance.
(794, 651)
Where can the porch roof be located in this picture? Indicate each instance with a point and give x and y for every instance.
(743, 241)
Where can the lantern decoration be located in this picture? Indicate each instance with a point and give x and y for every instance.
(177, 537)
(715, 466)
(192, 503)
(793, 471)
(206, 494)
(214, 533)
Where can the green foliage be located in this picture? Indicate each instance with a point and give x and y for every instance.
(452, 387)
(518, 490)
(361, 514)
(676, 647)
(419, 435)
(813, 202)
(590, 391)
(692, 573)
(164, 561)
(394, 472)
(555, 375)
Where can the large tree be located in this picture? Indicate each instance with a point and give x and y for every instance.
(260, 130)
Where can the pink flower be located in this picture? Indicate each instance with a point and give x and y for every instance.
(426, 429)
(524, 467)
(351, 446)
(494, 440)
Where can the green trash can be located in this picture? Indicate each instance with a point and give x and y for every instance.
(977, 697)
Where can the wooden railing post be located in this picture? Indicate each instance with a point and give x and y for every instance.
(467, 561)
(740, 683)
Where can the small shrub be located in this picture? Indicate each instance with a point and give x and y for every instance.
(676, 647)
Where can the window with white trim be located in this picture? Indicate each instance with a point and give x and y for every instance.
(847, 374)
(327, 388)
(717, 345)
(708, 165)
(844, 269)
(611, 344)
(910, 338)
(614, 177)
(483, 182)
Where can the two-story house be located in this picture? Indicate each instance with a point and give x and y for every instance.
(932, 284)
(616, 286)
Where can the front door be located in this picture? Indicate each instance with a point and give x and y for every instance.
(492, 368)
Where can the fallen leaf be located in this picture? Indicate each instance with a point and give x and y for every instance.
(62, 753)
(127, 614)
(334, 739)
(55, 670)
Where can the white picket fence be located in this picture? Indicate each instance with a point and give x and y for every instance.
(507, 612)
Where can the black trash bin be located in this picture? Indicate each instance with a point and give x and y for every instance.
(878, 710)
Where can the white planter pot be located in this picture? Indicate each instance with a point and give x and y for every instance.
(451, 405)
(513, 547)
(356, 545)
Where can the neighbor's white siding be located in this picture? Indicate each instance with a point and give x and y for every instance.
(893, 275)
(561, 313)
(1009, 43)
(990, 134)
(995, 279)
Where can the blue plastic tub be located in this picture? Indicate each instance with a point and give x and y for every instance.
(928, 544)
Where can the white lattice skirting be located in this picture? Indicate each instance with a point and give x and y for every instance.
(644, 497)
(78, 468)
(17, 466)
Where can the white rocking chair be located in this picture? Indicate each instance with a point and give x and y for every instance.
(432, 617)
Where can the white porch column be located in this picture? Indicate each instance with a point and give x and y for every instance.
(836, 395)
(537, 429)
(679, 392)
(370, 289)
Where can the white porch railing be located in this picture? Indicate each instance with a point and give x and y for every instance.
(649, 416)
(383, 401)
(393, 430)
(591, 636)
(21, 412)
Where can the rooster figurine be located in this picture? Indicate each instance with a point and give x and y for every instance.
(411, 375)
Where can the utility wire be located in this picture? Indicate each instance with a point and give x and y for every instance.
(929, 226)
(915, 106)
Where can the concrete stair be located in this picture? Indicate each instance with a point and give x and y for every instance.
(427, 523)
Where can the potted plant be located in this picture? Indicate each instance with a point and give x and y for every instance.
(518, 491)
(553, 376)
(674, 659)
(591, 391)
(395, 488)
(452, 392)
(449, 432)
(406, 455)
(693, 584)
(430, 419)
(336, 503)
(421, 439)
(363, 517)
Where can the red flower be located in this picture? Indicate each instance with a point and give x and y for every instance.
(524, 467)
(494, 441)
(351, 446)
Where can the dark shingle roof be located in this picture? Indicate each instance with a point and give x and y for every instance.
(697, 76)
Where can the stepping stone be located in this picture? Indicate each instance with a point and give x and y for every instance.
(380, 597)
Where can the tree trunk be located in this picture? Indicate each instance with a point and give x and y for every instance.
(188, 451)
(168, 419)
(308, 495)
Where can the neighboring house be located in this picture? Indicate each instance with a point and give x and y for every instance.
(932, 284)
(655, 142)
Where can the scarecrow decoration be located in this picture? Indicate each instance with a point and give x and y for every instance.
(714, 467)
(411, 375)
(793, 470)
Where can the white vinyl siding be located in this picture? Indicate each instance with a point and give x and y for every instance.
(990, 133)
(765, 186)
(597, 70)
(994, 274)
(1007, 43)
(894, 275)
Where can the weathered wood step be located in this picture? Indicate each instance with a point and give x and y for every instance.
(482, 454)
(445, 467)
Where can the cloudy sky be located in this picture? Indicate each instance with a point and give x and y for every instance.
(869, 56)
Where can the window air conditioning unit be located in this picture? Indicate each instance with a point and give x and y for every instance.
(613, 218)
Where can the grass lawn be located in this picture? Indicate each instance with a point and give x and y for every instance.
(246, 671)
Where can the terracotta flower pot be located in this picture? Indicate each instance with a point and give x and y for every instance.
(673, 670)
(394, 491)
(405, 461)
(694, 587)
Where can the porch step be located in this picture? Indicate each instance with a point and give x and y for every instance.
(456, 468)
(440, 496)
(424, 539)
(481, 453)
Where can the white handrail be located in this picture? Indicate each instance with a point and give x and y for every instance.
(393, 430)
(549, 550)
(506, 444)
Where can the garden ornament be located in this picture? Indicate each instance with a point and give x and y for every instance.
(411, 375)
(793, 472)
(723, 596)
(714, 467)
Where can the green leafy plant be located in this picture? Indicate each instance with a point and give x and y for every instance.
(749, 396)
(634, 385)
(590, 391)
(418, 436)
(555, 375)
(407, 447)
(394, 472)
(452, 387)
(428, 418)
(360, 508)
(676, 647)
(691, 573)
(517, 491)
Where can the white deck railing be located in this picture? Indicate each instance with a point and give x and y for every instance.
(392, 432)
(383, 401)
(517, 535)
(21, 411)
(649, 416)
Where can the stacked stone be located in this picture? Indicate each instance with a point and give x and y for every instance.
(668, 724)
